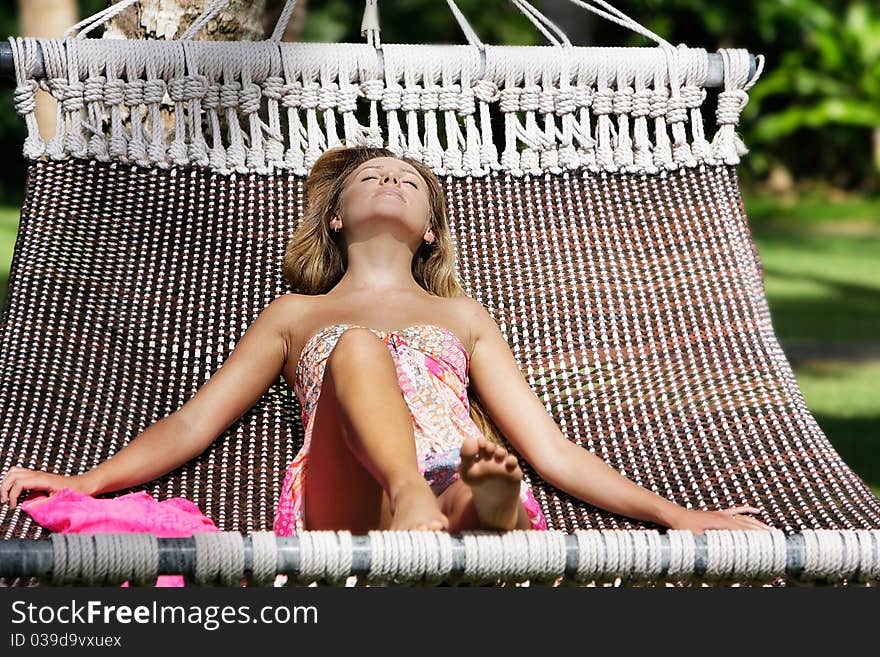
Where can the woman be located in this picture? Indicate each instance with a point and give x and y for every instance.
(406, 384)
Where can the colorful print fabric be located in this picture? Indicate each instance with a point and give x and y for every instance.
(432, 368)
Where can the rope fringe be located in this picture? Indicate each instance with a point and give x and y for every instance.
(266, 106)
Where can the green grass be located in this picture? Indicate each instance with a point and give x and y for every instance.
(766, 211)
(843, 398)
(8, 231)
(822, 287)
(822, 283)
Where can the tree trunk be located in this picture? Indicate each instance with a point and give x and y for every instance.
(240, 20)
(46, 19)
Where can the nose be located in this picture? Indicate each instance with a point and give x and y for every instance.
(386, 176)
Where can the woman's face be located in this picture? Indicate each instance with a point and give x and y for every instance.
(385, 194)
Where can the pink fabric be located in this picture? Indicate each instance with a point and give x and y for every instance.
(69, 511)
(433, 373)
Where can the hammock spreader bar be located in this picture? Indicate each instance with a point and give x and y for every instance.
(631, 109)
(714, 72)
(422, 557)
(612, 109)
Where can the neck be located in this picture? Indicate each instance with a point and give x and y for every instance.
(378, 270)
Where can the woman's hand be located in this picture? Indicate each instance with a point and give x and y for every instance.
(697, 521)
(19, 479)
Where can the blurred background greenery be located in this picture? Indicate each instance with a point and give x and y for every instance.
(811, 181)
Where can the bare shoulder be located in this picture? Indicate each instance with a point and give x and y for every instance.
(283, 312)
(475, 316)
(287, 301)
(282, 305)
(472, 310)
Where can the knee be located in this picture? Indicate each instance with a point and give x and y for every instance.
(357, 347)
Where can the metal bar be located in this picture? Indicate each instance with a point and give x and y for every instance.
(177, 556)
(714, 78)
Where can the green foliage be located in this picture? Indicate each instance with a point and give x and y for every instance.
(834, 79)
(842, 396)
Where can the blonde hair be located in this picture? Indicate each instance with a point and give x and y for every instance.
(315, 258)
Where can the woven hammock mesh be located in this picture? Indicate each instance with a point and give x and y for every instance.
(633, 303)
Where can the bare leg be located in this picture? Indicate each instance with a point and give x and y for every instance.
(487, 495)
(363, 471)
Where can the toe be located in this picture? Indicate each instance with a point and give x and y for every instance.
(469, 448)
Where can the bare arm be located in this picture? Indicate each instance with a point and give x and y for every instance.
(255, 363)
(531, 430)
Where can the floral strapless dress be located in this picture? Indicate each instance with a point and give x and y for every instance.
(432, 370)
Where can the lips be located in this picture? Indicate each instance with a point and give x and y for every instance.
(392, 193)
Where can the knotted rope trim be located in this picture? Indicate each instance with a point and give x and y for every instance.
(562, 107)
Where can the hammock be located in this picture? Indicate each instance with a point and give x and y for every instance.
(604, 231)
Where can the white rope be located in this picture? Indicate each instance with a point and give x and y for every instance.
(325, 555)
(24, 56)
(400, 557)
(743, 555)
(370, 24)
(615, 555)
(521, 556)
(116, 555)
(103, 559)
(646, 555)
(617, 16)
(682, 554)
(283, 20)
(216, 91)
(204, 18)
(57, 85)
(469, 32)
(516, 553)
(536, 18)
(727, 145)
(60, 573)
(484, 557)
(832, 555)
(869, 555)
(264, 551)
(591, 560)
(97, 19)
(219, 558)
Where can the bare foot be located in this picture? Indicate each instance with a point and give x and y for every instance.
(494, 476)
(414, 506)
